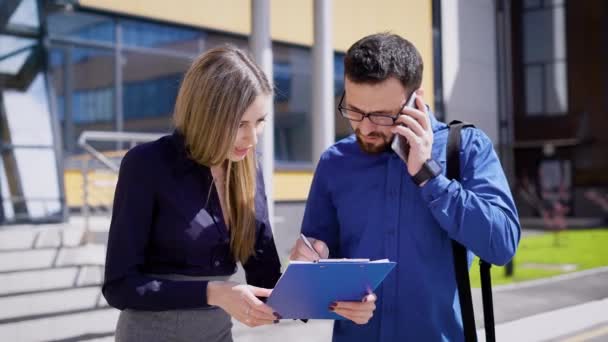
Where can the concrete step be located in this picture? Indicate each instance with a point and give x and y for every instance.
(89, 254)
(15, 238)
(41, 280)
(93, 325)
(37, 280)
(28, 306)
(27, 259)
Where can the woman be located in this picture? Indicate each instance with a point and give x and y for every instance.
(189, 205)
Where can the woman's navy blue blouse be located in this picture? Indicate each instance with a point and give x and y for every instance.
(167, 219)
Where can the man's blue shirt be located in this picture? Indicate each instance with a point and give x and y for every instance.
(367, 206)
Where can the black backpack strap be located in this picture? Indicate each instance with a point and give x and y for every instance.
(461, 265)
(486, 296)
(460, 255)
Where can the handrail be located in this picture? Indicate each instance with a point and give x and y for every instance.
(117, 136)
(101, 136)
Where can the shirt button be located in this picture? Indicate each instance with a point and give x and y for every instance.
(216, 263)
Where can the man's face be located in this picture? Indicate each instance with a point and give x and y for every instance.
(386, 98)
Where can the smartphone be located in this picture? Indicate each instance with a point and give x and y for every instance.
(400, 144)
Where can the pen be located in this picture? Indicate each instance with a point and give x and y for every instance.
(307, 243)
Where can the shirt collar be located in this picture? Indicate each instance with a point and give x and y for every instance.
(435, 124)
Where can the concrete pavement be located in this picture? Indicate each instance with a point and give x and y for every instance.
(49, 291)
(562, 308)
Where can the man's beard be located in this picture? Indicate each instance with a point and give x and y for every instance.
(373, 148)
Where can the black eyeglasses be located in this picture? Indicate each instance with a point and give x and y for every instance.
(379, 119)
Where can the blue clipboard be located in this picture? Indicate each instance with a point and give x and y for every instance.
(307, 289)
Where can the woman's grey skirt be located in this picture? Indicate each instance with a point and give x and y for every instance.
(200, 325)
(211, 324)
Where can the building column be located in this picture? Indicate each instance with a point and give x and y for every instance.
(468, 36)
(323, 125)
(260, 44)
(504, 65)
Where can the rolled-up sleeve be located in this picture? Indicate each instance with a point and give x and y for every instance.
(479, 211)
(125, 287)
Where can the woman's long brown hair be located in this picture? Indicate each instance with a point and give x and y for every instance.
(215, 93)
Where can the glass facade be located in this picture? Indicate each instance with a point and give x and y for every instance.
(31, 187)
(136, 33)
(83, 80)
(149, 89)
(124, 74)
(544, 57)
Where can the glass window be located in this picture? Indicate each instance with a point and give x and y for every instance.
(532, 3)
(146, 34)
(150, 86)
(28, 115)
(30, 135)
(544, 37)
(534, 87)
(281, 72)
(80, 25)
(537, 28)
(544, 58)
(338, 74)
(556, 88)
(213, 39)
(292, 117)
(83, 82)
(41, 195)
(343, 128)
(8, 211)
(14, 51)
(93, 84)
(25, 16)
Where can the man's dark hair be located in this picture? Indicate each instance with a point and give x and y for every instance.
(377, 57)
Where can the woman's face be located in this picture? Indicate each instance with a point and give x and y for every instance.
(250, 127)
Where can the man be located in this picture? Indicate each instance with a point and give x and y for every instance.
(366, 202)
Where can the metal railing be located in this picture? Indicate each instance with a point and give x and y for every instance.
(107, 163)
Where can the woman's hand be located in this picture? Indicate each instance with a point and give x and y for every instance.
(358, 312)
(240, 302)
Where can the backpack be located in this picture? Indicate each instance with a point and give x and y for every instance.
(461, 268)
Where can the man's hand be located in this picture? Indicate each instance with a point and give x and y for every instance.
(240, 302)
(301, 252)
(415, 126)
(358, 312)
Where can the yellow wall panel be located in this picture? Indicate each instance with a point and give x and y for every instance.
(411, 19)
(225, 15)
(291, 185)
(291, 21)
(288, 186)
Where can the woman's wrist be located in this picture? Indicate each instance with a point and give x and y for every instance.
(214, 290)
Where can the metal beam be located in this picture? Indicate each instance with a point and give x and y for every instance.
(323, 122)
(261, 48)
(118, 101)
(7, 9)
(504, 74)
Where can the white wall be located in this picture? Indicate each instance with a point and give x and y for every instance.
(468, 29)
